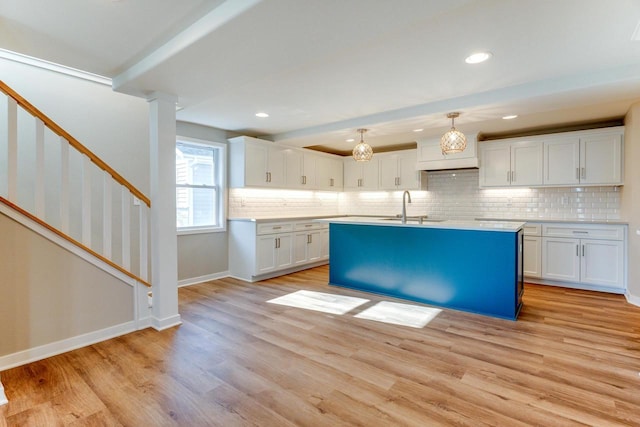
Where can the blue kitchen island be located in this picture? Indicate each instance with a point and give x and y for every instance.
(463, 265)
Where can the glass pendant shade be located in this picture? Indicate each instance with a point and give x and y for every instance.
(453, 141)
(362, 152)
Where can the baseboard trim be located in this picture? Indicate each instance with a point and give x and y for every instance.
(572, 285)
(202, 279)
(166, 323)
(53, 349)
(632, 299)
(3, 397)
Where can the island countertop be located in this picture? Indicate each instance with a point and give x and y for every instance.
(508, 226)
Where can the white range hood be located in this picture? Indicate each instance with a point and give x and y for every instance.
(430, 157)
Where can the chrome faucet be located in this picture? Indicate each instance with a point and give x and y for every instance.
(404, 206)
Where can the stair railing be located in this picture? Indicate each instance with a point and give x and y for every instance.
(25, 187)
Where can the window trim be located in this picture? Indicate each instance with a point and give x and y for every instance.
(221, 179)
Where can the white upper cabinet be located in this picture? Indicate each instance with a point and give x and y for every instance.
(430, 157)
(300, 168)
(329, 173)
(361, 175)
(511, 163)
(591, 157)
(601, 158)
(256, 163)
(587, 158)
(562, 161)
(398, 171)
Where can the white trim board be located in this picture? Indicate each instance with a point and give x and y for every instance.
(202, 279)
(52, 66)
(58, 347)
(3, 397)
(632, 299)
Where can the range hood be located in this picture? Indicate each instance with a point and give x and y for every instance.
(430, 157)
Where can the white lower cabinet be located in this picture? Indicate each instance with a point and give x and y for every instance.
(262, 250)
(274, 252)
(532, 243)
(592, 255)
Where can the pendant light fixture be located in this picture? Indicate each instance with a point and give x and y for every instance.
(362, 152)
(453, 141)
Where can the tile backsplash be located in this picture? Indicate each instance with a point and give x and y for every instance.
(451, 194)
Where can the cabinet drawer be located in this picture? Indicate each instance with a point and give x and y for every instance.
(532, 229)
(586, 231)
(307, 226)
(277, 227)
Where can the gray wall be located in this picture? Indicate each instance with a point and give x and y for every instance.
(48, 294)
(207, 253)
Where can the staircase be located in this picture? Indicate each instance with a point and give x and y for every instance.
(56, 187)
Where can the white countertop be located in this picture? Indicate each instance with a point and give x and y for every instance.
(509, 226)
(560, 220)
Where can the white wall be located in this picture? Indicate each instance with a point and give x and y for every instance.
(112, 125)
(451, 194)
(206, 254)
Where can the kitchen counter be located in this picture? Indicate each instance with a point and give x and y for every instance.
(497, 225)
(560, 221)
(464, 265)
(283, 218)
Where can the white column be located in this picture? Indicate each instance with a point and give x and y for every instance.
(164, 244)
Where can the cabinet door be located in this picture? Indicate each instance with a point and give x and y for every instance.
(276, 166)
(352, 174)
(532, 256)
(293, 168)
(561, 259)
(256, 158)
(389, 176)
(526, 163)
(309, 170)
(495, 165)
(266, 253)
(284, 253)
(562, 161)
(602, 263)
(324, 249)
(337, 174)
(300, 248)
(601, 159)
(370, 172)
(314, 246)
(409, 176)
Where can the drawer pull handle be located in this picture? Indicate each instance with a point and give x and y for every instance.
(278, 227)
(308, 225)
(580, 232)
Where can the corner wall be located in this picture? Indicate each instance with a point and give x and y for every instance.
(630, 201)
(202, 256)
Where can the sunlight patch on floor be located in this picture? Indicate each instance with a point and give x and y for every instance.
(318, 301)
(395, 313)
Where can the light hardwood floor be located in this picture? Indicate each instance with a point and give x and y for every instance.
(572, 358)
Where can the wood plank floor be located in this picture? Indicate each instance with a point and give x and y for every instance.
(572, 358)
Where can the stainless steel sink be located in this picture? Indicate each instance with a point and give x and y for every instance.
(415, 219)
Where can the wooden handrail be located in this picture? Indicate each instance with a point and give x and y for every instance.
(72, 141)
(73, 241)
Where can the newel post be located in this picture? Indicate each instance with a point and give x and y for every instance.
(164, 245)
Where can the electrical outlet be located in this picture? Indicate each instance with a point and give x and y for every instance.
(243, 201)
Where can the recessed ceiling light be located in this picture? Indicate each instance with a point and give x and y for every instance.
(350, 140)
(478, 57)
(512, 116)
(262, 115)
(418, 130)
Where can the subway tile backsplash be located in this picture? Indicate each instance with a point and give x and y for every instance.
(451, 194)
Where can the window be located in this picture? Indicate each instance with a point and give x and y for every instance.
(200, 173)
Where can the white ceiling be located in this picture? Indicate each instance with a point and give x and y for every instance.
(323, 68)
